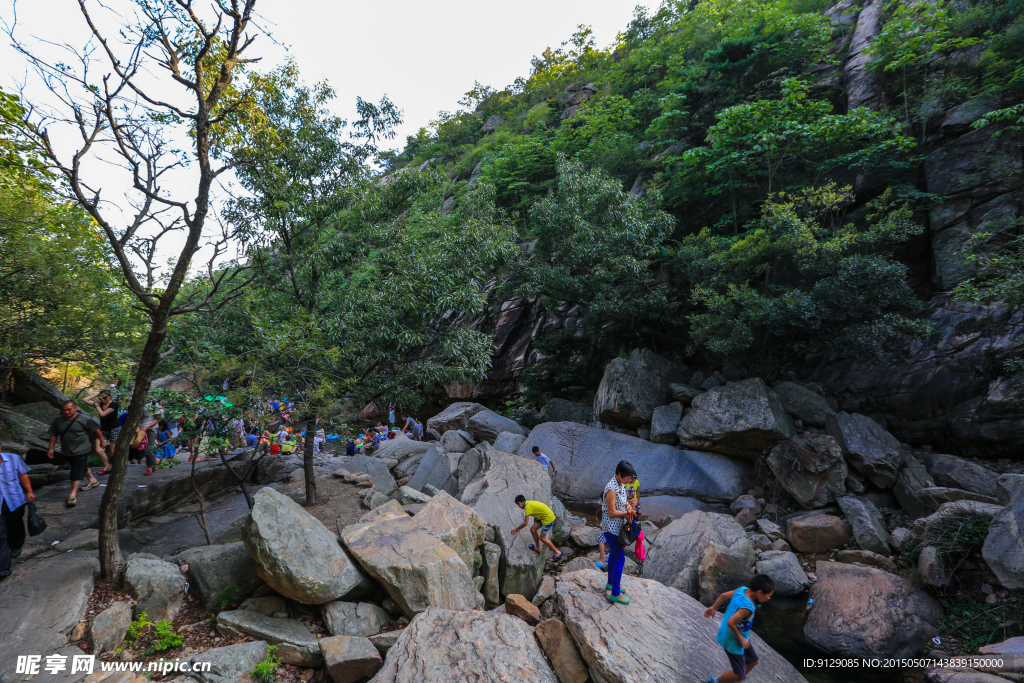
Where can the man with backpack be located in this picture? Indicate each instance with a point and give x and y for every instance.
(77, 432)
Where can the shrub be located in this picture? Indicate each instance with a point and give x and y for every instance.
(266, 669)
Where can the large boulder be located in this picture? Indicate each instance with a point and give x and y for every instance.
(456, 441)
(1003, 550)
(491, 555)
(455, 524)
(560, 410)
(785, 570)
(465, 647)
(507, 442)
(867, 524)
(586, 458)
(632, 388)
(961, 508)
(868, 447)
(350, 659)
(662, 636)
(817, 533)
(353, 619)
(486, 425)
(502, 478)
(377, 468)
(675, 557)
(911, 480)
(721, 570)
(296, 554)
(295, 643)
(230, 664)
(803, 404)
(438, 468)
(957, 473)
(665, 421)
(109, 627)
(739, 419)
(557, 644)
(221, 573)
(867, 612)
(456, 416)
(400, 449)
(158, 586)
(415, 567)
(811, 468)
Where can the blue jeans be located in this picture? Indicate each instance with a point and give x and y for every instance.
(616, 562)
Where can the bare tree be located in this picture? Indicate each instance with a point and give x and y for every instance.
(166, 74)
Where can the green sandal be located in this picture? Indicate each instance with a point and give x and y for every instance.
(621, 598)
(608, 587)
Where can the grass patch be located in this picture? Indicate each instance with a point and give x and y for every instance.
(152, 637)
(972, 624)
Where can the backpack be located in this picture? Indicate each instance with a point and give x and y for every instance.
(350, 448)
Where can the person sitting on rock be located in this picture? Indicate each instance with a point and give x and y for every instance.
(544, 520)
(734, 631)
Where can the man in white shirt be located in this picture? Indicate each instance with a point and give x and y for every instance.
(238, 433)
(544, 460)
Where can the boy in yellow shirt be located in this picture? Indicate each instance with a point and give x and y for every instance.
(544, 520)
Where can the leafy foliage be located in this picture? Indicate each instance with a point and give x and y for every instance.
(266, 670)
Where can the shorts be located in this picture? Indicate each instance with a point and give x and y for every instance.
(114, 433)
(546, 529)
(740, 663)
(79, 464)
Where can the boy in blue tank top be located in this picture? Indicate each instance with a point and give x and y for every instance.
(734, 632)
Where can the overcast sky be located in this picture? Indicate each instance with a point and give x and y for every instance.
(423, 54)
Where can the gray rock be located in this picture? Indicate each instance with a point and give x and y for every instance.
(867, 557)
(867, 524)
(1003, 550)
(406, 495)
(486, 425)
(374, 499)
(901, 537)
(157, 585)
(856, 483)
(491, 497)
(41, 603)
(400, 449)
(587, 457)
(817, 533)
(632, 388)
(912, 479)
(377, 468)
(759, 541)
(231, 664)
(811, 468)
(546, 590)
(491, 567)
(957, 473)
(456, 441)
(745, 502)
(560, 531)
(350, 659)
(684, 393)
(740, 419)
(456, 416)
(862, 85)
(946, 511)
(508, 442)
(437, 469)
(803, 404)
(866, 612)
(466, 647)
(385, 641)
(270, 605)
(353, 619)
(416, 568)
(668, 641)
(1006, 485)
(770, 529)
(296, 554)
(664, 507)
(557, 644)
(665, 421)
(221, 574)
(867, 446)
(584, 536)
(492, 123)
(560, 410)
(675, 556)
(456, 524)
(934, 571)
(109, 627)
(937, 495)
(295, 643)
(785, 570)
(722, 569)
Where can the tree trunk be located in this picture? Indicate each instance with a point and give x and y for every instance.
(307, 461)
(110, 552)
